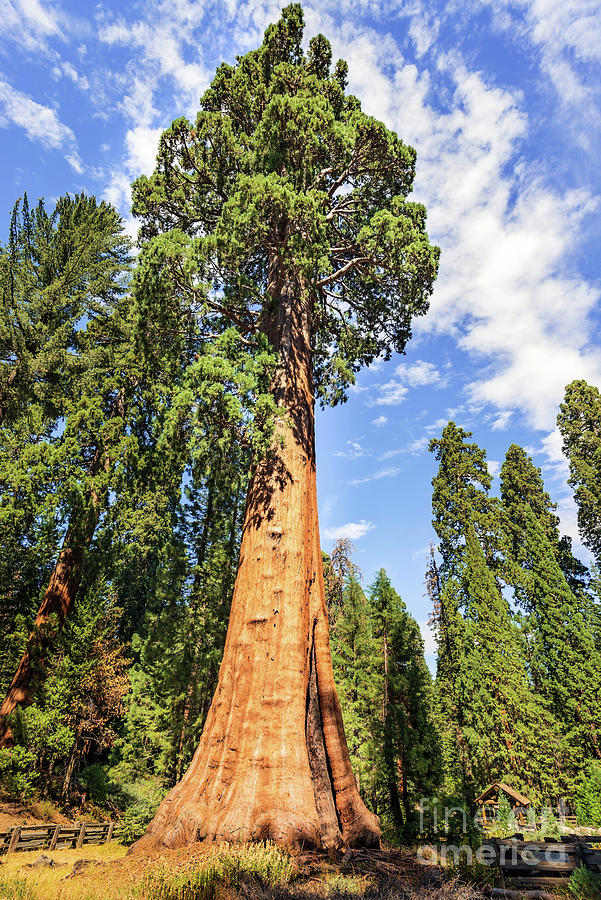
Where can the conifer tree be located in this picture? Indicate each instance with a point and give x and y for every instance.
(359, 679)
(565, 665)
(460, 496)
(283, 211)
(521, 483)
(408, 751)
(510, 734)
(579, 421)
(57, 271)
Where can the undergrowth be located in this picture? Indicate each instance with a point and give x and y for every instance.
(584, 885)
(231, 864)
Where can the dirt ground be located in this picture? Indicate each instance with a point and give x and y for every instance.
(12, 814)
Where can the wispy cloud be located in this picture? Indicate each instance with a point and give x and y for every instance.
(388, 472)
(352, 530)
(353, 450)
(39, 122)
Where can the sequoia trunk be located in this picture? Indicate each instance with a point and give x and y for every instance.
(272, 762)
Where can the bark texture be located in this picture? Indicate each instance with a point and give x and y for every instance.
(272, 762)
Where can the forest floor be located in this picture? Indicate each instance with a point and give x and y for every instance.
(258, 872)
(14, 813)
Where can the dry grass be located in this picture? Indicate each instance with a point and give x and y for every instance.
(17, 882)
(227, 872)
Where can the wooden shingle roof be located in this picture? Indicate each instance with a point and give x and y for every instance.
(493, 789)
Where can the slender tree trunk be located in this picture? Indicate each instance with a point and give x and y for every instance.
(59, 596)
(272, 762)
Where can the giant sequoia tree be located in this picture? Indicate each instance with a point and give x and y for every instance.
(282, 210)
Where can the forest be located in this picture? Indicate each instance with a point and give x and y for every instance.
(157, 495)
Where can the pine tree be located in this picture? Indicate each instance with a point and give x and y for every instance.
(359, 679)
(521, 483)
(460, 496)
(407, 746)
(579, 421)
(566, 668)
(509, 732)
(57, 271)
(491, 719)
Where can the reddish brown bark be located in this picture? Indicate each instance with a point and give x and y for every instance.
(272, 762)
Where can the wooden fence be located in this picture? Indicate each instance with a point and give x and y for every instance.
(55, 837)
(537, 864)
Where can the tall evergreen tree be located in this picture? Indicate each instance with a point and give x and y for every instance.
(65, 341)
(407, 746)
(358, 678)
(460, 497)
(521, 484)
(579, 421)
(566, 668)
(283, 211)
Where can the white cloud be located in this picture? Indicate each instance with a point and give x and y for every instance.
(494, 467)
(69, 71)
(393, 393)
(388, 472)
(417, 374)
(438, 425)
(566, 34)
(501, 422)
(380, 421)
(29, 25)
(428, 637)
(352, 530)
(503, 281)
(163, 38)
(354, 450)
(39, 122)
(419, 445)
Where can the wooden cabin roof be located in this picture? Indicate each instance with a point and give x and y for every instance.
(493, 789)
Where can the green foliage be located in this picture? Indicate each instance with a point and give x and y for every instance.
(385, 693)
(588, 796)
(584, 884)
(497, 719)
(506, 824)
(94, 778)
(77, 702)
(264, 180)
(579, 421)
(139, 801)
(18, 778)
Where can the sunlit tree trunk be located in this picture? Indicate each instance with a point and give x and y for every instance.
(272, 762)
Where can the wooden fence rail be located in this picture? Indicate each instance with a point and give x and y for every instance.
(55, 837)
(537, 864)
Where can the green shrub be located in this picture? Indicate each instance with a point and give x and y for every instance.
(139, 800)
(588, 796)
(44, 810)
(18, 777)
(584, 885)
(95, 780)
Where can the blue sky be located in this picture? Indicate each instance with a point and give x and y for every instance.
(500, 98)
